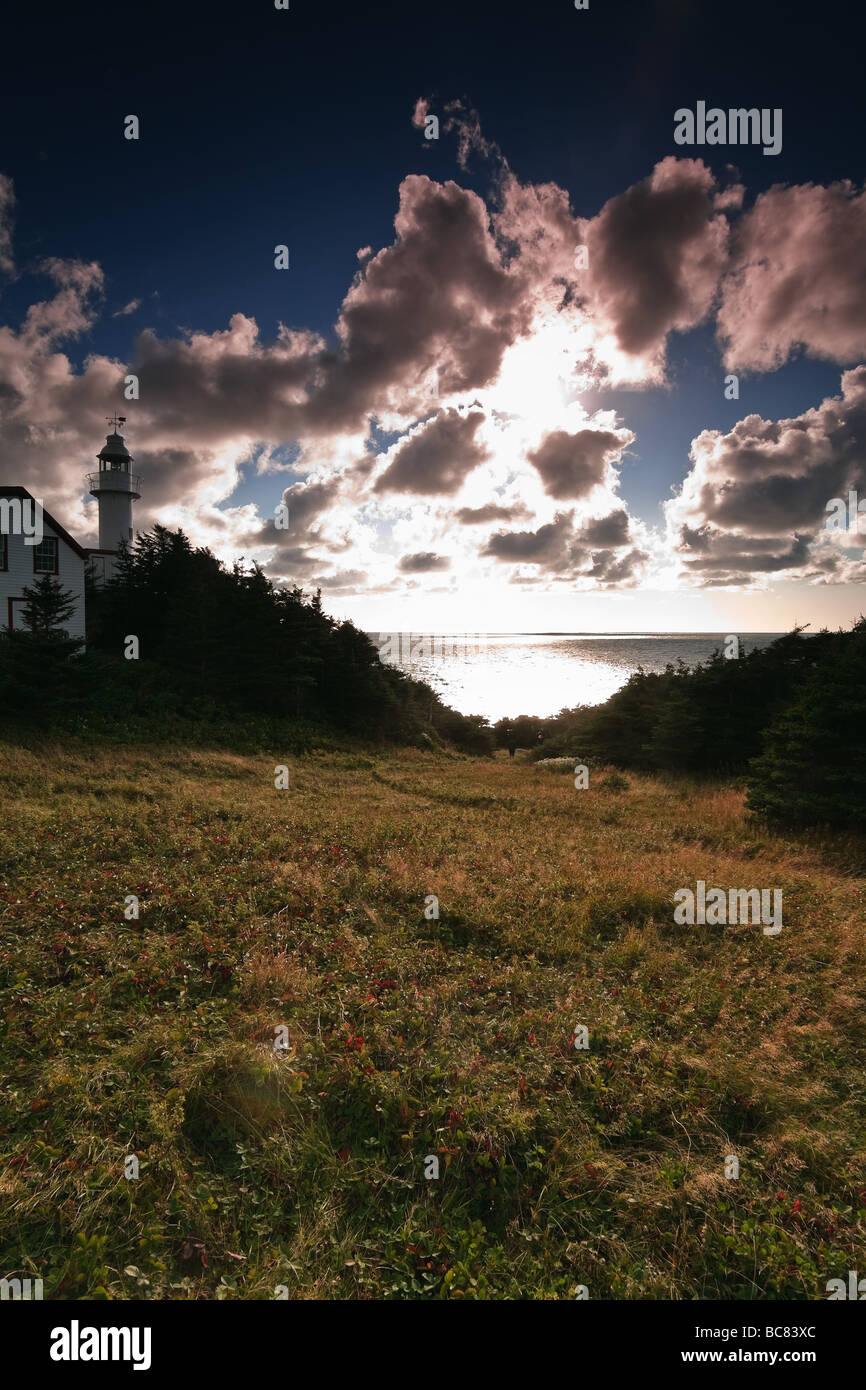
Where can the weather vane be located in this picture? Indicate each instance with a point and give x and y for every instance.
(116, 420)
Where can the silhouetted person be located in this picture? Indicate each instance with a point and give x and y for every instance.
(512, 745)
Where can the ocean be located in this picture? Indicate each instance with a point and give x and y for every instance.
(502, 675)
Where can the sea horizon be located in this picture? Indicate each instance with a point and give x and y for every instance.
(503, 675)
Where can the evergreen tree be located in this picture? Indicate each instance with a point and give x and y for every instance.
(228, 641)
(813, 768)
(48, 610)
(40, 670)
(677, 740)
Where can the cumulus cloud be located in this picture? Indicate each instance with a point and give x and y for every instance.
(610, 530)
(436, 458)
(730, 198)
(595, 554)
(611, 569)
(423, 563)
(548, 545)
(438, 299)
(480, 516)
(307, 502)
(426, 325)
(441, 425)
(755, 500)
(656, 253)
(209, 388)
(654, 258)
(798, 278)
(571, 465)
(340, 580)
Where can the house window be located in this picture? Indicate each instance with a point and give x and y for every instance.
(45, 556)
(4, 552)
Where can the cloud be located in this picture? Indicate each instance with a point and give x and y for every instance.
(548, 545)
(755, 500)
(73, 308)
(612, 570)
(228, 385)
(465, 121)
(423, 563)
(571, 465)
(438, 299)
(340, 580)
(458, 118)
(597, 554)
(457, 367)
(798, 278)
(7, 207)
(656, 253)
(436, 458)
(730, 198)
(612, 530)
(307, 502)
(478, 516)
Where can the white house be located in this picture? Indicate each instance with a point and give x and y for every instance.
(32, 543)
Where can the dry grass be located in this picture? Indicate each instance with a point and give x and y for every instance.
(413, 1036)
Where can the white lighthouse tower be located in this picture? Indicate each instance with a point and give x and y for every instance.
(115, 488)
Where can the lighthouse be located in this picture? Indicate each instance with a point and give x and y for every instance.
(115, 488)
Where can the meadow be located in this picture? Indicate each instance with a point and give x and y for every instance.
(303, 1172)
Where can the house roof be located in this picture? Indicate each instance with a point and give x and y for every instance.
(55, 525)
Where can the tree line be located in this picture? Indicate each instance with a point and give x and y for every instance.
(224, 653)
(218, 648)
(790, 718)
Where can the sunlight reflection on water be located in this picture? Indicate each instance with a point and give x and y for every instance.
(504, 675)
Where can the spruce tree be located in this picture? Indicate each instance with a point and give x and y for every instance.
(40, 676)
(812, 771)
(48, 610)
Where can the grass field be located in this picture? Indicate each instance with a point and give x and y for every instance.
(412, 1038)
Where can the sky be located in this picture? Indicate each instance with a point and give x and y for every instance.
(539, 359)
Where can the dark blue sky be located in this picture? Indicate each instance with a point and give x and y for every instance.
(261, 125)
